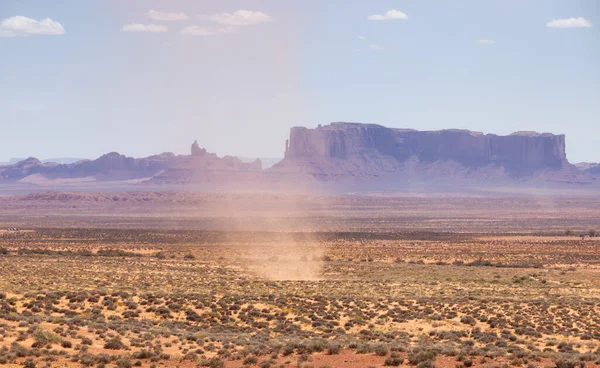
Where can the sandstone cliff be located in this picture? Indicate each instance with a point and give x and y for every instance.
(356, 149)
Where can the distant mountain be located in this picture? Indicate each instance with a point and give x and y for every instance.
(267, 162)
(61, 160)
(114, 167)
(363, 155)
(592, 169)
(359, 152)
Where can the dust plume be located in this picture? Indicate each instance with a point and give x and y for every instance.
(288, 259)
(286, 245)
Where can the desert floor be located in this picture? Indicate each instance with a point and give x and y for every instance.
(184, 279)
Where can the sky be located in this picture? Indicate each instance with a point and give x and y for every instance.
(140, 77)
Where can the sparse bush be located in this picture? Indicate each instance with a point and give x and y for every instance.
(212, 363)
(43, 338)
(565, 362)
(380, 350)
(251, 360)
(421, 355)
(468, 320)
(114, 344)
(160, 255)
(333, 348)
(124, 363)
(393, 360)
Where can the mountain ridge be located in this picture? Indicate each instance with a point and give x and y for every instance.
(338, 152)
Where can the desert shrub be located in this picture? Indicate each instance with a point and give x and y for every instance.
(66, 344)
(426, 364)
(29, 363)
(364, 349)
(421, 355)
(468, 320)
(333, 348)
(251, 360)
(124, 363)
(267, 363)
(160, 255)
(566, 362)
(480, 263)
(315, 346)
(520, 280)
(393, 361)
(212, 363)
(3, 251)
(380, 350)
(143, 354)
(288, 350)
(43, 338)
(114, 344)
(18, 350)
(189, 256)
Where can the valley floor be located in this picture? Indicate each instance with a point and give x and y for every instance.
(164, 279)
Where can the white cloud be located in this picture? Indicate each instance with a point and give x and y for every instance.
(158, 15)
(23, 26)
(486, 42)
(569, 23)
(362, 38)
(376, 47)
(137, 27)
(390, 15)
(206, 31)
(241, 18)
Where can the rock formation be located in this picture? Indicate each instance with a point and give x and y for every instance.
(589, 168)
(197, 151)
(370, 149)
(164, 168)
(347, 153)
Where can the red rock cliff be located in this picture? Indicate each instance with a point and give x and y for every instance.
(519, 153)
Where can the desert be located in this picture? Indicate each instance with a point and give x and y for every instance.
(299, 184)
(97, 279)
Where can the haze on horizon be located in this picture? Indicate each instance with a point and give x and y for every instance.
(80, 79)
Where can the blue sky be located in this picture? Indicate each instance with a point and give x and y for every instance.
(144, 77)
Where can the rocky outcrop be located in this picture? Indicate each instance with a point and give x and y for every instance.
(197, 151)
(164, 168)
(368, 148)
(589, 168)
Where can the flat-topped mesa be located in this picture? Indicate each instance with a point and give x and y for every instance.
(520, 152)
